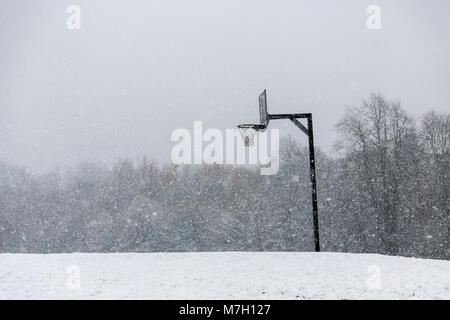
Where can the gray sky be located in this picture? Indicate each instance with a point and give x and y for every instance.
(137, 70)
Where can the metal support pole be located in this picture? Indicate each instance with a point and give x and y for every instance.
(312, 162)
(312, 166)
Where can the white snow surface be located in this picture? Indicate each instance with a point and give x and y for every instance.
(221, 275)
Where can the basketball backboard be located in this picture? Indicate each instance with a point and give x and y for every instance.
(263, 115)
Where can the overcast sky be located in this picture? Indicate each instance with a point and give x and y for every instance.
(137, 70)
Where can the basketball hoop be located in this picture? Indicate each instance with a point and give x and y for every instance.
(248, 132)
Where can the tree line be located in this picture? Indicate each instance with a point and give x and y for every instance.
(384, 189)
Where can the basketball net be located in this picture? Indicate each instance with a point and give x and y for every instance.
(248, 135)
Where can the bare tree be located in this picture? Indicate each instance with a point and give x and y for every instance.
(435, 140)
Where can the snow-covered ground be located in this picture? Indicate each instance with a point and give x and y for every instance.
(225, 275)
